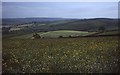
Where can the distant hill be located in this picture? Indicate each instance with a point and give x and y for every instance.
(14, 21)
(81, 25)
(53, 24)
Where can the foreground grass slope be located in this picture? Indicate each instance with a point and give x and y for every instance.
(81, 55)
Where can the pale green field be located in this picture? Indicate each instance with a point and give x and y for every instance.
(65, 33)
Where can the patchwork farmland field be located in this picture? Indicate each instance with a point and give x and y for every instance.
(66, 33)
(55, 34)
(63, 55)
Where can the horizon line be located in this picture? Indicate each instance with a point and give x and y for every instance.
(60, 17)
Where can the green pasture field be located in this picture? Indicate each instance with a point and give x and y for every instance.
(110, 33)
(61, 55)
(56, 34)
(66, 33)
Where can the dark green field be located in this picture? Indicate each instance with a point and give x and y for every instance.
(61, 55)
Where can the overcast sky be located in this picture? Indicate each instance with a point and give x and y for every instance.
(60, 9)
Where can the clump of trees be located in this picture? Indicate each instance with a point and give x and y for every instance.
(36, 36)
(69, 36)
(60, 36)
(5, 29)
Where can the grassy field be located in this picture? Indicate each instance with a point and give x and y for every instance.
(66, 33)
(61, 55)
(56, 34)
(25, 36)
(110, 33)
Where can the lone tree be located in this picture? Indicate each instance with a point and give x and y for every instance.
(101, 28)
(60, 36)
(69, 36)
(36, 36)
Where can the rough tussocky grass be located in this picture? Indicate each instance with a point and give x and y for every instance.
(61, 55)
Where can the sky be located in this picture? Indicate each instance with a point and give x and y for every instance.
(60, 0)
(60, 9)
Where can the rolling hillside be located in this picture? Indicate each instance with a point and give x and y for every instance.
(84, 25)
(80, 25)
(15, 21)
